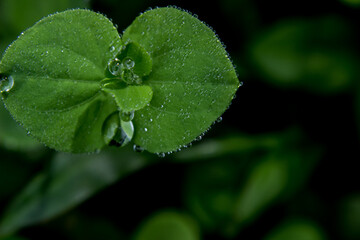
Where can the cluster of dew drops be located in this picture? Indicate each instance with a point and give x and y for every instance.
(123, 69)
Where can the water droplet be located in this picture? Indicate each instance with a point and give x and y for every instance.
(112, 48)
(127, 116)
(241, 83)
(151, 120)
(199, 138)
(6, 84)
(219, 119)
(138, 80)
(161, 155)
(137, 148)
(128, 63)
(123, 135)
(115, 67)
(145, 129)
(130, 77)
(117, 132)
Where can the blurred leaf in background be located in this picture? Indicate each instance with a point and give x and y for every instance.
(297, 230)
(226, 195)
(166, 225)
(349, 217)
(352, 3)
(312, 54)
(69, 180)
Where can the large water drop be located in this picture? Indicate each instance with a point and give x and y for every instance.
(123, 135)
(127, 116)
(117, 132)
(115, 67)
(6, 84)
(128, 63)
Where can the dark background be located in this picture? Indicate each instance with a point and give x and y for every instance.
(285, 164)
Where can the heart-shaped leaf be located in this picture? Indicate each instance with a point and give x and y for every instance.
(192, 78)
(63, 78)
(57, 66)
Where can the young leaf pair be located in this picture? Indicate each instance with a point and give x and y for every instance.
(78, 86)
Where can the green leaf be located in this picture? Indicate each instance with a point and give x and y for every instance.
(296, 230)
(57, 66)
(168, 225)
(265, 183)
(70, 180)
(229, 192)
(352, 3)
(142, 63)
(177, 76)
(349, 217)
(192, 78)
(131, 98)
(314, 54)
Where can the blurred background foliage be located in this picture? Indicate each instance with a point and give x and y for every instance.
(281, 165)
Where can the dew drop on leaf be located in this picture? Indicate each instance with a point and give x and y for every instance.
(161, 155)
(115, 67)
(130, 77)
(127, 116)
(6, 84)
(123, 134)
(117, 132)
(128, 63)
(137, 148)
(219, 119)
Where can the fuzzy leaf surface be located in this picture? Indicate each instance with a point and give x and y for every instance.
(57, 66)
(192, 78)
